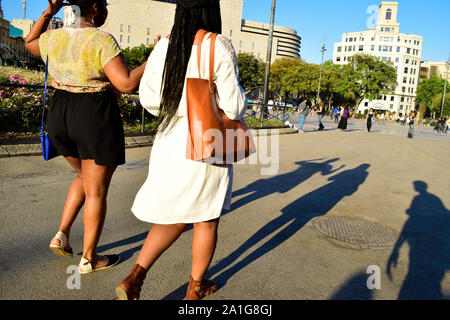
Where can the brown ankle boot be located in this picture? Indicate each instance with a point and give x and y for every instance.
(130, 287)
(197, 290)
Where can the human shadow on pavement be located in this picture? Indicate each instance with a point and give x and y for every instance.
(125, 255)
(354, 288)
(283, 183)
(293, 217)
(427, 232)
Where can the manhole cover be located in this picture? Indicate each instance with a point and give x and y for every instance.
(356, 232)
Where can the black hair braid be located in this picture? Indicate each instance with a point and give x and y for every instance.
(188, 20)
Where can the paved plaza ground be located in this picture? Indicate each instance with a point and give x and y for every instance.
(270, 246)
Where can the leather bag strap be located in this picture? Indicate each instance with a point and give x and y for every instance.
(198, 41)
(212, 50)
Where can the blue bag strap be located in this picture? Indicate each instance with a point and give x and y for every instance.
(45, 96)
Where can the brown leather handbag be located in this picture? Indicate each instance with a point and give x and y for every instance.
(213, 137)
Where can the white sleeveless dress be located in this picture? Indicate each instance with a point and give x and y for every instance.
(178, 190)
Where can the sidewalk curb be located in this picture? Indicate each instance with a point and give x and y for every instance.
(34, 149)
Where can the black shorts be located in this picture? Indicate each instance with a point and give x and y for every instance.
(87, 126)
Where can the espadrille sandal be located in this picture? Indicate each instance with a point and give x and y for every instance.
(85, 265)
(60, 250)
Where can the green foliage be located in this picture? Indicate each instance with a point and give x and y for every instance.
(436, 105)
(137, 56)
(251, 72)
(429, 89)
(21, 108)
(294, 76)
(366, 77)
(256, 123)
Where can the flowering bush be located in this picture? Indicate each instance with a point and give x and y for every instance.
(21, 108)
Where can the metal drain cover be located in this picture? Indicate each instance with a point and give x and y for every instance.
(356, 232)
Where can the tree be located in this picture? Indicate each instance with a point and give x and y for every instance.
(429, 89)
(301, 78)
(137, 56)
(366, 77)
(329, 84)
(426, 93)
(251, 72)
(436, 105)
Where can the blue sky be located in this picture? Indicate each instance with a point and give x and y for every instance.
(315, 20)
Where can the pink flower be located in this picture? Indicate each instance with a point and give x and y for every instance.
(16, 107)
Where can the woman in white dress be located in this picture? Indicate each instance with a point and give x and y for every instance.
(178, 191)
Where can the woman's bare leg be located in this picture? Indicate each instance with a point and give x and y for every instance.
(203, 246)
(159, 239)
(96, 180)
(74, 201)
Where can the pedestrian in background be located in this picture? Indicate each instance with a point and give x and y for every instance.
(369, 119)
(447, 125)
(337, 110)
(179, 191)
(320, 115)
(84, 122)
(344, 118)
(303, 111)
(411, 118)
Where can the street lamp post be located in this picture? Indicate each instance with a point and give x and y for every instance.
(268, 61)
(320, 77)
(445, 86)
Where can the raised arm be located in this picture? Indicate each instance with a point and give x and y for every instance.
(41, 25)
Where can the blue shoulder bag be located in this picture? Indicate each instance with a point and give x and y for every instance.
(48, 150)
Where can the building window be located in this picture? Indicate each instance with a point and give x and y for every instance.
(361, 48)
(121, 38)
(392, 98)
(338, 59)
(388, 29)
(408, 50)
(148, 31)
(406, 70)
(121, 28)
(382, 29)
(372, 48)
(388, 14)
(404, 79)
(129, 28)
(339, 49)
(231, 33)
(128, 40)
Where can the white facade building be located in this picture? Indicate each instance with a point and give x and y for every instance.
(386, 42)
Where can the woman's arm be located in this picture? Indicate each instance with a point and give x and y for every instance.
(41, 25)
(120, 76)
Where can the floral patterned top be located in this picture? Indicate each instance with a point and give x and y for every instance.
(76, 57)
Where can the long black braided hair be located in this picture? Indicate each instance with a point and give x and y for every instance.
(190, 16)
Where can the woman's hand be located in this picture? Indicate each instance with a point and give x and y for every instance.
(54, 6)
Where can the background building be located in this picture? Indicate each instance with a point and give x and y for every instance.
(23, 24)
(386, 42)
(138, 22)
(430, 68)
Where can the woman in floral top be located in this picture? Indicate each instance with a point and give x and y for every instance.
(84, 123)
